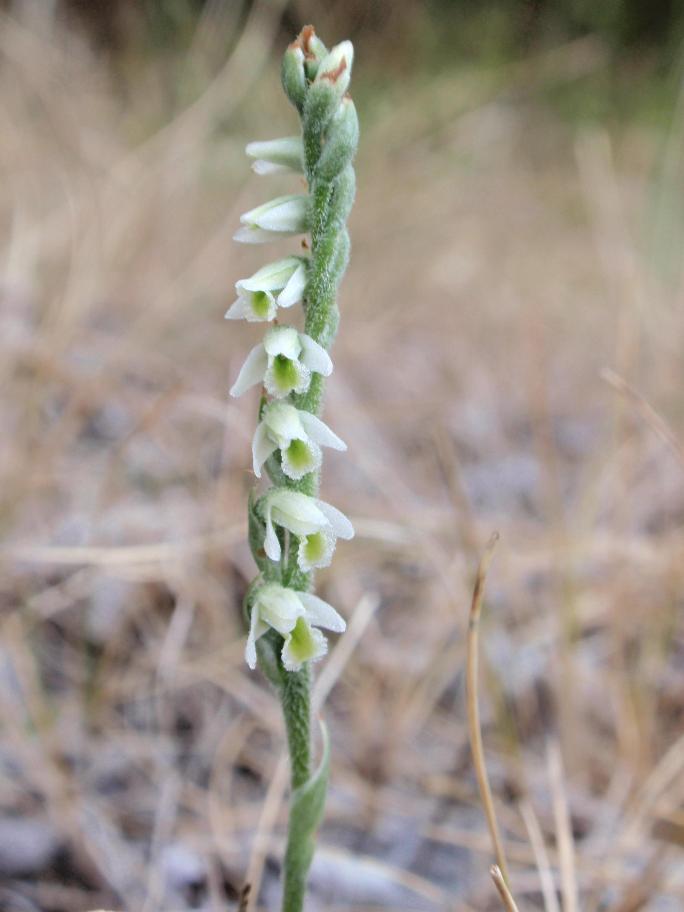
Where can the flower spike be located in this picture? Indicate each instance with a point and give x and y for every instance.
(291, 532)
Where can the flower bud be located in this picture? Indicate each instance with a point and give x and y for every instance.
(278, 218)
(276, 156)
(314, 52)
(327, 90)
(336, 68)
(342, 140)
(293, 76)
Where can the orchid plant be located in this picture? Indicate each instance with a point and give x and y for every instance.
(291, 531)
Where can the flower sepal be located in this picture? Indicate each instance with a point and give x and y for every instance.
(256, 532)
(293, 75)
(277, 156)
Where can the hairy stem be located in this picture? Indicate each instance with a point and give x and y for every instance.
(321, 324)
(296, 701)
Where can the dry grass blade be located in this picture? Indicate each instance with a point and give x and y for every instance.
(638, 893)
(474, 729)
(546, 879)
(655, 421)
(566, 845)
(502, 889)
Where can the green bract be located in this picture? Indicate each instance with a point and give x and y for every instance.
(291, 530)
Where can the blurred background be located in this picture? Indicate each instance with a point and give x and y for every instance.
(509, 358)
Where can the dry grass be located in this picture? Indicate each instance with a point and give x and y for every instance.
(500, 265)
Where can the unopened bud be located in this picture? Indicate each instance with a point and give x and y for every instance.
(336, 67)
(293, 76)
(342, 140)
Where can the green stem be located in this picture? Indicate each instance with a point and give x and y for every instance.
(295, 694)
(296, 702)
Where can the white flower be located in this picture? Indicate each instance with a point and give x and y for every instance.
(317, 525)
(280, 217)
(257, 299)
(276, 156)
(283, 362)
(298, 435)
(295, 615)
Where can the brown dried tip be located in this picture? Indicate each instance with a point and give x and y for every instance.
(335, 74)
(243, 899)
(303, 40)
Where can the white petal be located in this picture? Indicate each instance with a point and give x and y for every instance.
(338, 521)
(272, 277)
(320, 432)
(271, 543)
(315, 356)
(292, 293)
(238, 310)
(285, 214)
(280, 607)
(264, 168)
(285, 154)
(297, 507)
(250, 648)
(262, 447)
(283, 422)
(283, 340)
(321, 613)
(250, 234)
(251, 372)
(296, 512)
